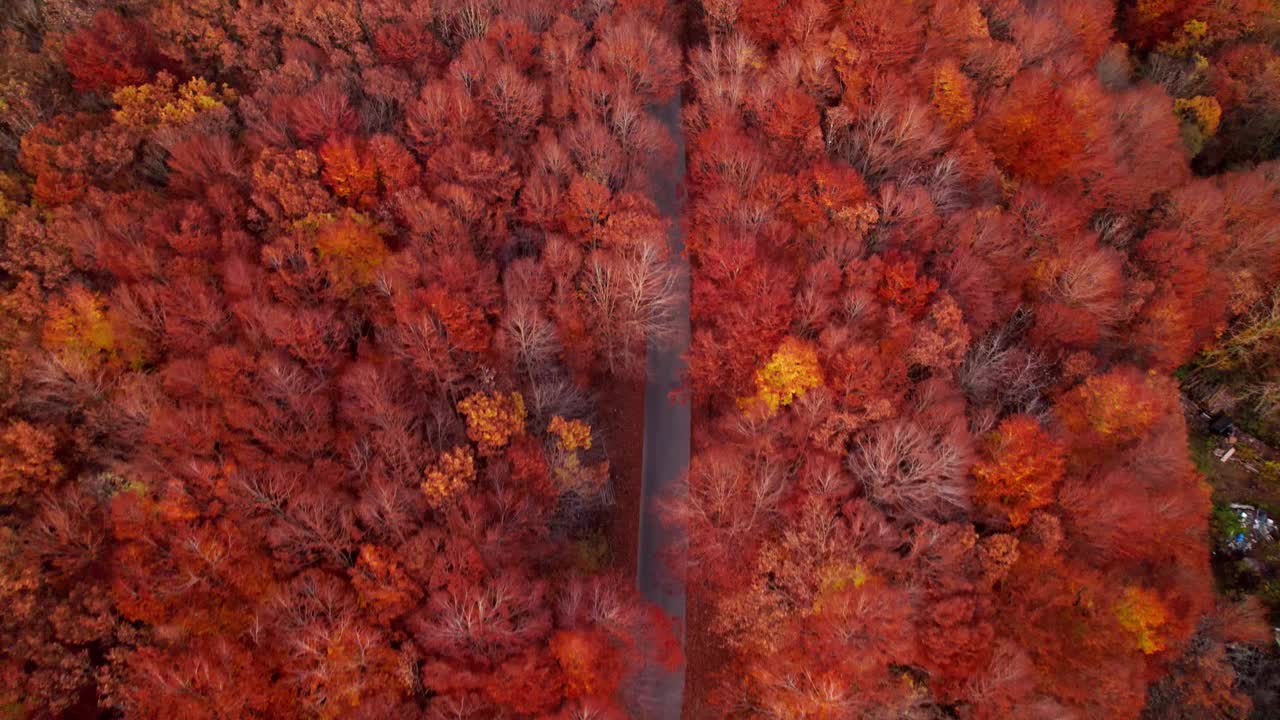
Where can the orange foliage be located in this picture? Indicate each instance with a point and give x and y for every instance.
(351, 251)
(834, 194)
(265, 349)
(942, 339)
(529, 683)
(570, 434)
(397, 167)
(1141, 613)
(28, 466)
(1020, 466)
(493, 419)
(82, 329)
(793, 123)
(1112, 409)
(590, 664)
(466, 325)
(902, 286)
(382, 584)
(252, 459)
(349, 171)
(1080, 654)
(1042, 128)
(953, 95)
(451, 474)
(59, 153)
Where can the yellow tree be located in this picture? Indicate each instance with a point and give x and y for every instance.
(454, 471)
(790, 372)
(571, 437)
(82, 328)
(165, 103)
(493, 419)
(1141, 613)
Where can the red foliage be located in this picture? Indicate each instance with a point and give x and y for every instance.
(210, 679)
(247, 362)
(997, 253)
(1041, 129)
(113, 51)
(297, 401)
(902, 288)
(324, 111)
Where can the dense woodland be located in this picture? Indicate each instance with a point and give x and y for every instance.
(949, 254)
(303, 308)
(308, 308)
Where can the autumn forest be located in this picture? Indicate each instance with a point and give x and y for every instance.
(328, 336)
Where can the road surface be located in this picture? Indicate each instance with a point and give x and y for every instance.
(666, 450)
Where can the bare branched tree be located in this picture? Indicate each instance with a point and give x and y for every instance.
(632, 299)
(998, 374)
(911, 472)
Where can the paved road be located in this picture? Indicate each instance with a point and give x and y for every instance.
(666, 453)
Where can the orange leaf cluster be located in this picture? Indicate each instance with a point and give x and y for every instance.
(351, 251)
(349, 171)
(1142, 614)
(382, 584)
(450, 475)
(953, 95)
(28, 465)
(588, 661)
(493, 419)
(570, 434)
(1113, 408)
(1020, 467)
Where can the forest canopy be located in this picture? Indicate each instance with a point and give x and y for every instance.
(315, 316)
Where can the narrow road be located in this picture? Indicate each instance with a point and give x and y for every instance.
(666, 450)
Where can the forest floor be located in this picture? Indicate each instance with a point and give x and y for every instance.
(622, 411)
(1248, 477)
(1233, 481)
(703, 656)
